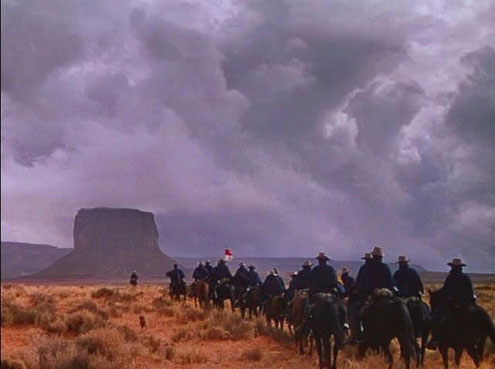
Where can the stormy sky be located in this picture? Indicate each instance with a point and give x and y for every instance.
(274, 127)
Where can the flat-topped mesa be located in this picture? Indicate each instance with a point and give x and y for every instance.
(111, 243)
(109, 229)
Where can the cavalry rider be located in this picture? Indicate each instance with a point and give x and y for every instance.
(200, 273)
(209, 268)
(134, 278)
(359, 277)
(376, 275)
(407, 279)
(457, 292)
(289, 294)
(323, 277)
(347, 281)
(176, 276)
(272, 286)
(279, 278)
(221, 273)
(252, 277)
(240, 274)
(303, 278)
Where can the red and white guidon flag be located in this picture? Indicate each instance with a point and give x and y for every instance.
(228, 255)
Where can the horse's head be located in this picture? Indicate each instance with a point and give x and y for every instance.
(435, 298)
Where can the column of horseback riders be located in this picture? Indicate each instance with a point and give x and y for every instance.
(356, 300)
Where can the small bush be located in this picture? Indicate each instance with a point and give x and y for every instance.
(91, 306)
(238, 328)
(128, 333)
(181, 335)
(253, 354)
(170, 352)
(215, 333)
(163, 307)
(12, 364)
(191, 356)
(153, 343)
(103, 292)
(16, 315)
(192, 314)
(82, 322)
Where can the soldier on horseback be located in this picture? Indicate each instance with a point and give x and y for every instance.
(303, 278)
(323, 277)
(200, 273)
(209, 268)
(177, 283)
(376, 275)
(272, 286)
(347, 281)
(289, 293)
(457, 293)
(252, 277)
(408, 281)
(134, 278)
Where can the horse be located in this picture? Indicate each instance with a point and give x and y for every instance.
(224, 291)
(420, 315)
(325, 322)
(383, 319)
(298, 319)
(177, 290)
(461, 328)
(275, 309)
(201, 292)
(250, 300)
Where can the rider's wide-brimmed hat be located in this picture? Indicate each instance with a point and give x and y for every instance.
(251, 266)
(293, 274)
(322, 256)
(200, 263)
(402, 259)
(367, 256)
(456, 262)
(344, 270)
(272, 272)
(242, 264)
(222, 261)
(377, 251)
(207, 262)
(307, 264)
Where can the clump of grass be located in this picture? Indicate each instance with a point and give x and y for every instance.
(252, 354)
(191, 356)
(181, 335)
(91, 306)
(192, 314)
(82, 322)
(260, 327)
(215, 333)
(163, 306)
(169, 352)
(17, 315)
(237, 328)
(128, 333)
(152, 343)
(12, 364)
(103, 293)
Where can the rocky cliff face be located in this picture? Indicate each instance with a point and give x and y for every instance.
(111, 243)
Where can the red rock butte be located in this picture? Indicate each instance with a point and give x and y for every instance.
(110, 243)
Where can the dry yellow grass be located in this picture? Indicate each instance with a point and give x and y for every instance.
(58, 327)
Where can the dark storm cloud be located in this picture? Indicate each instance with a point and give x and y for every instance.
(273, 127)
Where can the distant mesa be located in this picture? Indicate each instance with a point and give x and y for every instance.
(21, 259)
(111, 243)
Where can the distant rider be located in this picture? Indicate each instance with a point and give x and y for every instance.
(134, 278)
(407, 279)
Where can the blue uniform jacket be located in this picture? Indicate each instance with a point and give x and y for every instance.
(176, 275)
(222, 271)
(376, 275)
(303, 279)
(458, 287)
(200, 273)
(272, 286)
(323, 279)
(253, 278)
(408, 282)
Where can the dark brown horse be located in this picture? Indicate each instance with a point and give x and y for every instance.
(177, 290)
(461, 328)
(250, 301)
(201, 293)
(383, 319)
(420, 316)
(298, 319)
(275, 310)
